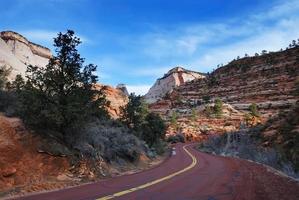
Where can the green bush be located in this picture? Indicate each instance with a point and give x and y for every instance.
(254, 110)
(218, 107)
(176, 138)
(145, 125)
(153, 129)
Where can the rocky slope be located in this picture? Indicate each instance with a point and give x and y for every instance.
(282, 131)
(17, 52)
(20, 163)
(173, 78)
(268, 80)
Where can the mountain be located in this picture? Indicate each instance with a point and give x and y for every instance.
(268, 80)
(173, 78)
(17, 52)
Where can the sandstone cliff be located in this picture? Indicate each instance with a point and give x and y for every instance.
(173, 78)
(17, 52)
(117, 98)
(268, 80)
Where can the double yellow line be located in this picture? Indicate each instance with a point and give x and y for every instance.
(118, 194)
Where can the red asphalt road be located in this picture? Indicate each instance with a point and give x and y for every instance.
(213, 178)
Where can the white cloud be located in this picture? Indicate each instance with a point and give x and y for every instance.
(138, 89)
(282, 8)
(272, 39)
(203, 46)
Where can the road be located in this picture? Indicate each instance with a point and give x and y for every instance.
(189, 174)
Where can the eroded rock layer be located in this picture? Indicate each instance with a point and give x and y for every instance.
(268, 80)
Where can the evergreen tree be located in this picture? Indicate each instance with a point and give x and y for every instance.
(254, 110)
(218, 107)
(61, 94)
(153, 129)
(134, 113)
(147, 126)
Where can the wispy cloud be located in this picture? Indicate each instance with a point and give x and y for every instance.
(280, 9)
(203, 46)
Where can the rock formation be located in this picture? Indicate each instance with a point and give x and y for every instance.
(116, 97)
(123, 88)
(268, 80)
(173, 78)
(17, 52)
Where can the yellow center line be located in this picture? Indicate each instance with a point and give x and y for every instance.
(118, 194)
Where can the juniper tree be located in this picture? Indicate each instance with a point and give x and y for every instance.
(61, 94)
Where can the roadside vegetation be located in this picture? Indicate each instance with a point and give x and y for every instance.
(278, 149)
(60, 103)
(215, 110)
(145, 125)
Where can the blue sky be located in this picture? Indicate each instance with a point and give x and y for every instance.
(136, 41)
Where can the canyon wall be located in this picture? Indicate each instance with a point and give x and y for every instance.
(268, 80)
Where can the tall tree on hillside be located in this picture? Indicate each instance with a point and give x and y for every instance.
(61, 94)
(134, 113)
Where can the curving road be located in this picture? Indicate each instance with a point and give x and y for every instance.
(189, 174)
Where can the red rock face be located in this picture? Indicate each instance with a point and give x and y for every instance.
(268, 80)
(116, 97)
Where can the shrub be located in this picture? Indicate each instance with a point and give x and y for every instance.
(193, 115)
(176, 138)
(174, 120)
(218, 107)
(159, 147)
(206, 99)
(109, 139)
(254, 110)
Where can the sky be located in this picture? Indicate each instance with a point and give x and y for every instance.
(137, 41)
